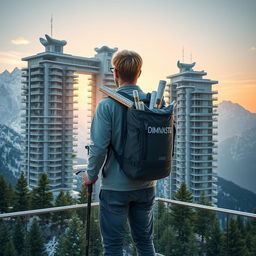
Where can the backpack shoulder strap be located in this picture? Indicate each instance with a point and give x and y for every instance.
(126, 96)
(112, 153)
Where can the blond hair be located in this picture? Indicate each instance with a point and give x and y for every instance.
(128, 64)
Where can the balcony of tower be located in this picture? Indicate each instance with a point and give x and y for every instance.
(208, 106)
(193, 160)
(55, 79)
(37, 79)
(37, 99)
(201, 132)
(36, 91)
(55, 85)
(202, 154)
(55, 92)
(37, 72)
(36, 164)
(55, 185)
(55, 99)
(54, 72)
(197, 172)
(203, 114)
(35, 67)
(209, 187)
(197, 180)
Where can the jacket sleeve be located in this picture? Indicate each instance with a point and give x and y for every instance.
(100, 139)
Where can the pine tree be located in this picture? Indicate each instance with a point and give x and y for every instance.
(41, 196)
(19, 237)
(4, 195)
(203, 222)
(11, 195)
(21, 194)
(252, 248)
(69, 198)
(60, 217)
(4, 237)
(214, 240)
(70, 201)
(252, 225)
(183, 223)
(162, 222)
(249, 235)
(35, 240)
(10, 249)
(167, 241)
(71, 243)
(82, 199)
(234, 245)
(95, 238)
(240, 225)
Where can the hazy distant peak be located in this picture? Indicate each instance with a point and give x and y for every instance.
(230, 106)
(5, 73)
(15, 71)
(10, 98)
(233, 120)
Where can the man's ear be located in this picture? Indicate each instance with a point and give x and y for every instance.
(116, 73)
(139, 74)
(116, 77)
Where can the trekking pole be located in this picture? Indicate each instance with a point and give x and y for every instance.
(88, 218)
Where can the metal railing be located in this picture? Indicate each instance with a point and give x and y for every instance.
(79, 206)
(206, 207)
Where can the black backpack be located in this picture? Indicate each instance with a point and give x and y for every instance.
(148, 142)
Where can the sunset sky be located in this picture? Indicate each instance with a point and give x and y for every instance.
(219, 34)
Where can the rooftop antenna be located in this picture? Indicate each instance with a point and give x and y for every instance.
(51, 24)
(183, 54)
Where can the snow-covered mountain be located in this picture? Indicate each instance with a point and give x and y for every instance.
(237, 145)
(10, 98)
(233, 120)
(10, 153)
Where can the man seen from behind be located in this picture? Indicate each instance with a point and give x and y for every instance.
(121, 199)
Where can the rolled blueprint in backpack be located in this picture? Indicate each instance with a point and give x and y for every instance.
(160, 93)
(141, 105)
(152, 100)
(136, 98)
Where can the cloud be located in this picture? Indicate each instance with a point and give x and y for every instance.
(253, 49)
(20, 40)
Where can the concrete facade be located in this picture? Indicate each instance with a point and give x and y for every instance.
(49, 108)
(195, 116)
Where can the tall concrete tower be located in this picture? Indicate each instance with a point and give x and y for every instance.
(195, 160)
(49, 109)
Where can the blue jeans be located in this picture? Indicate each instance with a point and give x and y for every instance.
(116, 207)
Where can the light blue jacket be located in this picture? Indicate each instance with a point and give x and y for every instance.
(105, 129)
